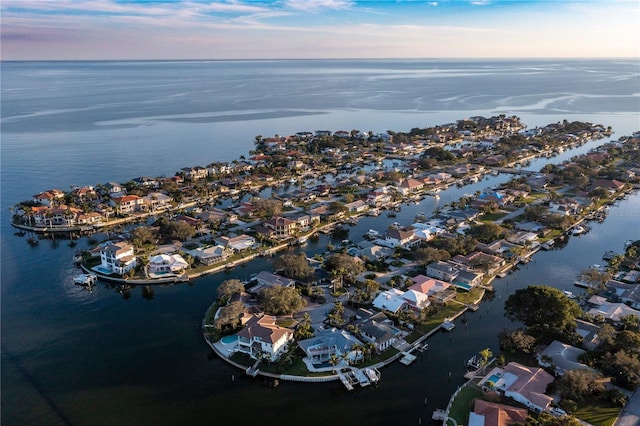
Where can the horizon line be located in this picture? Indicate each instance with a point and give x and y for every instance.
(478, 58)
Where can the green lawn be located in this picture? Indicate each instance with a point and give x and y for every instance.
(492, 217)
(467, 297)
(598, 412)
(462, 404)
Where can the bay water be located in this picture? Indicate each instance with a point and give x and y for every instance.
(75, 357)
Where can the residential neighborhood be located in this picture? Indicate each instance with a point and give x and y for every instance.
(376, 298)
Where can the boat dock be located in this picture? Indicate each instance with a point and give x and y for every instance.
(355, 376)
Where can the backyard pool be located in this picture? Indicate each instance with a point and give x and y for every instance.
(228, 340)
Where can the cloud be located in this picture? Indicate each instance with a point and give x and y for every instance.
(316, 5)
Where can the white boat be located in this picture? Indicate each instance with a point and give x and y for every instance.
(85, 279)
(372, 374)
(578, 230)
(569, 294)
(448, 325)
(372, 233)
(303, 240)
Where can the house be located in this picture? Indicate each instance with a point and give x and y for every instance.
(327, 345)
(589, 333)
(562, 357)
(117, 258)
(266, 279)
(611, 312)
(49, 198)
(194, 173)
(127, 203)
(564, 207)
(376, 328)
(209, 255)
(409, 186)
(236, 243)
(426, 232)
(357, 206)
(444, 271)
(279, 227)
(374, 252)
(526, 385)
(396, 237)
(487, 413)
(167, 264)
(85, 192)
(391, 300)
(626, 293)
(379, 197)
(146, 182)
(497, 248)
(416, 301)
(262, 338)
(90, 218)
(467, 279)
(114, 189)
(156, 201)
(479, 260)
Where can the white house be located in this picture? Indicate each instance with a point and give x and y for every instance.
(526, 385)
(209, 255)
(165, 263)
(328, 343)
(262, 338)
(118, 258)
(391, 300)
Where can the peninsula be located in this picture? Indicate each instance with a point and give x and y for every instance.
(344, 314)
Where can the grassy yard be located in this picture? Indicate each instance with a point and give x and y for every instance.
(462, 404)
(598, 412)
(492, 217)
(467, 297)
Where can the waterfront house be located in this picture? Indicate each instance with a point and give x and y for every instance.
(611, 312)
(266, 279)
(391, 300)
(114, 189)
(444, 271)
(374, 252)
(156, 201)
(409, 186)
(236, 243)
(279, 227)
(526, 385)
(379, 197)
(127, 203)
(357, 206)
(467, 279)
(85, 192)
(487, 413)
(478, 260)
(194, 173)
(262, 338)
(626, 293)
(90, 218)
(146, 182)
(396, 237)
(376, 328)
(416, 300)
(562, 357)
(209, 255)
(117, 258)
(49, 198)
(329, 344)
(166, 263)
(501, 248)
(432, 287)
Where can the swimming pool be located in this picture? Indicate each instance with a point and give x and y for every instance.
(227, 340)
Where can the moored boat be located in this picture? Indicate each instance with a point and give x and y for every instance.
(85, 279)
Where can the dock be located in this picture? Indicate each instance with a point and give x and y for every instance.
(407, 358)
(355, 376)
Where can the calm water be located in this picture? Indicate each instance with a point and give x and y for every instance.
(69, 356)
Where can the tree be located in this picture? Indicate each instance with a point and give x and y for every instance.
(486, 232)
(595, 278)
(629, 322)
(229, 317)
(342, 265)
(228, 288)
(427, 255)
(280, 300)
(178, 230)
(266, 207)
(543, 309)
(624, 368)
(516, 340)
(294, 266)
(580, 384)
(485, 354)
(304, 330)
(143, 235)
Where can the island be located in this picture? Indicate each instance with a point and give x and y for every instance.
(345, 313)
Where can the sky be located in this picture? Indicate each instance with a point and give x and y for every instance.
(278, 29)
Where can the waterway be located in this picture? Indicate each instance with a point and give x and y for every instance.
(70, 356)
